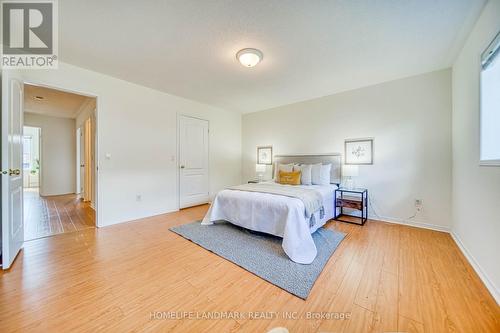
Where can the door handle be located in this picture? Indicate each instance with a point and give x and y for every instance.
(182, 166)
(11, 172)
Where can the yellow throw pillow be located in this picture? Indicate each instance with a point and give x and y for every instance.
(289, 178)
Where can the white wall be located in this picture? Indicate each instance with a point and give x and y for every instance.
(476, 189)
(58, 154)
(137, 126)
(410, 120)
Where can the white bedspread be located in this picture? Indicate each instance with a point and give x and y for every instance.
(274, 214)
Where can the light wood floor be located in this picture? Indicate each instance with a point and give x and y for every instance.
(388, 277)
(52, 215)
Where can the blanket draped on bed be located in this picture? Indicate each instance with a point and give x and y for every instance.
(312, 199)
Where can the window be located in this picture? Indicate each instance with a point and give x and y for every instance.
(27, 143)
(490, 104)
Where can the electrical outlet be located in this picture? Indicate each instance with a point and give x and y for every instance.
(138, 197)
(418, 204)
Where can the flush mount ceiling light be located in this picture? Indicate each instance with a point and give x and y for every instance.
(249, 57)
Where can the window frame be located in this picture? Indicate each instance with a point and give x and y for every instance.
(491, 46)
(30, 152)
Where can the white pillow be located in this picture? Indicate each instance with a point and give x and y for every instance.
(305, 173)
(284, 168)
(326, 173)
(320, 174)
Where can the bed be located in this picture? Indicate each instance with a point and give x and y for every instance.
(280, 215)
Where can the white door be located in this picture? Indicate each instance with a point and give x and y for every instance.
(87, 161)
(78, 162)
(12, 178)
(193, 161)
(81, 159)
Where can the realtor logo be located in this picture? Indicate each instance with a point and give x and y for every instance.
(29, 34)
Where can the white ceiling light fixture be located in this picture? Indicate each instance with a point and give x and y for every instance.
(249, 57)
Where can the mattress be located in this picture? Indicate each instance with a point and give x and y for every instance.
(276, 215)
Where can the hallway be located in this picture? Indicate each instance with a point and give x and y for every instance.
(52, 215)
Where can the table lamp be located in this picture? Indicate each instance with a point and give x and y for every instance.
(349, 172)
(260, 169)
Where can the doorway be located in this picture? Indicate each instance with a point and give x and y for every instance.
(31, 158)
(59, 123)
(193, 161)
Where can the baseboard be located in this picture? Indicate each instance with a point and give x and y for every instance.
(411, 223)
(138, 218)
(494, 291)
(54, 195)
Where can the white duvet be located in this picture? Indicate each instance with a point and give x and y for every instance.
(274, 214)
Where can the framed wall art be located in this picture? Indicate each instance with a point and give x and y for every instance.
(265, 155)
(358, 151)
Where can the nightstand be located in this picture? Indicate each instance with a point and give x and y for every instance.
(354, 199)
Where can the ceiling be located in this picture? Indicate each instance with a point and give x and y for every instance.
(311, 48)
(55, 103)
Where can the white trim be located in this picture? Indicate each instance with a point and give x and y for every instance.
(495, 45)
(494, 291)
(39, 83)
(412, 223)
(489, 162)
(140, 218)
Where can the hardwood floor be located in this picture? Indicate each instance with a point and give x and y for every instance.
(383, 277)
(52, 215)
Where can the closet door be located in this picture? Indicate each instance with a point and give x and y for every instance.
(193, 161)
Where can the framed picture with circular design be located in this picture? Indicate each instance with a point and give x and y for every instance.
(265, 155)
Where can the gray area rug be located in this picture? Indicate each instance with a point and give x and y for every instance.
(262, 254)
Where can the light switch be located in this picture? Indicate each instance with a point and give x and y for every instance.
(108, 156)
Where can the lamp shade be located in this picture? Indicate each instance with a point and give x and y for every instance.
(260, 168)
(350, 171)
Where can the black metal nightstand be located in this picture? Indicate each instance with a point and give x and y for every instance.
(356, 199)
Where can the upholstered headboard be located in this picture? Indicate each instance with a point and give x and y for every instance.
(335, 159)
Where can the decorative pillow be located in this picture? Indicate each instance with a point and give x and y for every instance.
(305, 173)
(320, 174)
(289, 178)
(282, 167)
